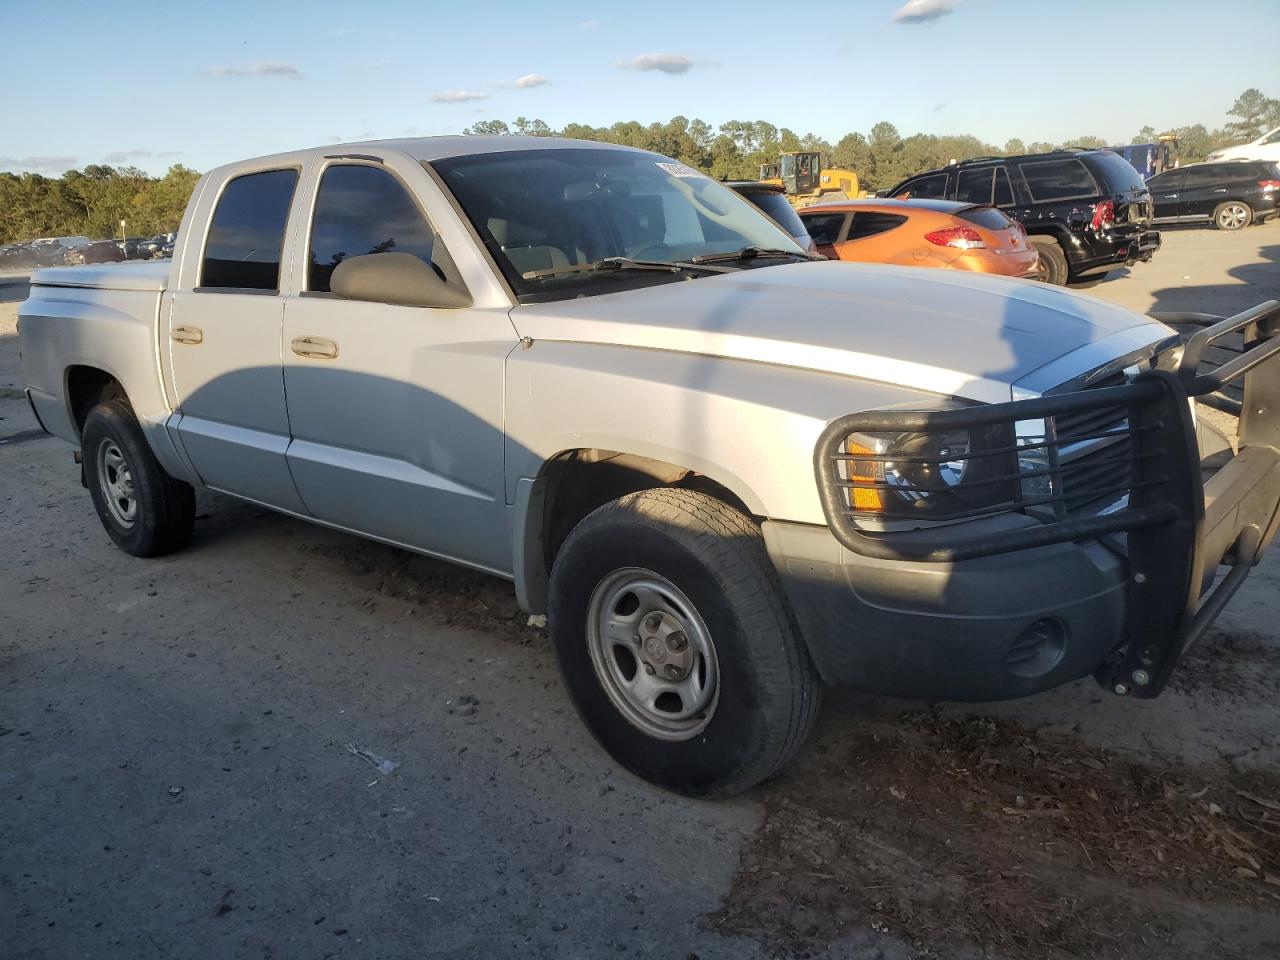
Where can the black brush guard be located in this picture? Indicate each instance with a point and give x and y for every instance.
(1177, 528)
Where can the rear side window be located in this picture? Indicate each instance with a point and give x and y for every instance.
(1059, 180)
(1004, 193)
(974, 186)
(824, 227)
(1114, 172)
(360, 210)
(870, 224)
(777, 207)
(243, 248)
(988, 218)
(1171, 180)
(933, 187)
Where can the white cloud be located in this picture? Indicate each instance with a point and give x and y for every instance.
(139, 153)
(527, 82)
(922, 11)
(458, 96)
(38, 163)
(672, 63)
(258, 68)
(588, 24)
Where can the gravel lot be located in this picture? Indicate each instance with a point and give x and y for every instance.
(177, 775)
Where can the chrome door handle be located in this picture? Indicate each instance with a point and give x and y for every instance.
(191, 335)
(317, 348)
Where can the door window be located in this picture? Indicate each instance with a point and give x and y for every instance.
(974, 186)
(926, 188)
(243, 247)
(1004, 192)
(360, 210)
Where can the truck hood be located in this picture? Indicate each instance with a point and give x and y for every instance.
(957, 334)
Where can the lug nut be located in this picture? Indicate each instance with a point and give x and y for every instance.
(653, 621)
(673, 672)
(1141, 677)
(1121, 689)
(648, 668)
(677, 642)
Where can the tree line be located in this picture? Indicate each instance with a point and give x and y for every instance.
(92, 202)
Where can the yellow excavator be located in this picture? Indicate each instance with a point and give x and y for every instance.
(804, 180)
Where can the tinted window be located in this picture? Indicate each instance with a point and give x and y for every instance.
(361, 210)
(1114, 172)
(974, 186)
(247, 234)
(1004, 193)
(987, 217)
(869, 224)
(1060, 179)
(1171, 180)
(1204, 176)
(933, 187)
(824, 227)
(776, 206)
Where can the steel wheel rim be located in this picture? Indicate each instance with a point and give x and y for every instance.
(115, 480)
(1233, 216)
(653, 654)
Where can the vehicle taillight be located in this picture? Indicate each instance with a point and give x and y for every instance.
(1104, 214)
(1269, 184)
(965, 238)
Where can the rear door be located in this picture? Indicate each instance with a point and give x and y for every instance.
(1204, 187)
(224, 340)
(1166, 194)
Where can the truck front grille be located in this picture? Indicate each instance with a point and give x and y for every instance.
(1095, 456)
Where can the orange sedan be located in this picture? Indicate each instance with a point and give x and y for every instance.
(923, 233)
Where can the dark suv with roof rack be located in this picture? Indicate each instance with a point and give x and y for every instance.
(1088, 211)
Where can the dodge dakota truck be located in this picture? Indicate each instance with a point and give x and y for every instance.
(728, 473)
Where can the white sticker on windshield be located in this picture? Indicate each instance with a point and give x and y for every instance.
(680, 170)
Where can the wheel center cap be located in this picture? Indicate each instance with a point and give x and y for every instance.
(655, 650)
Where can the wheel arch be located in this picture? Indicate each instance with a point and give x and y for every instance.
(574, 482)
(84, 387)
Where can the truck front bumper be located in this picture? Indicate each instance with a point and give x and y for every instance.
(1007, 605)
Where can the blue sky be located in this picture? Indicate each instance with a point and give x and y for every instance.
(152, 84)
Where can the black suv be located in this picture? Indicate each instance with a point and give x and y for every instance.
(1086, 210)
(1231, 193)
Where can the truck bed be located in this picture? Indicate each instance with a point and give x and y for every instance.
(139, 275)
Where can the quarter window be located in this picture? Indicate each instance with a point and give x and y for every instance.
(360, 210)
(926, 188)
(871, 224)
(247, 233)
(1058, 180)
(824, 228)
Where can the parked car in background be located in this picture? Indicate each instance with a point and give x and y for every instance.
(1087, 211)
(100, 251)
(1232, 193)
(1266, 147)
(151, 248)
(923, 233)
(16, 255)
(52, 251)
(166, 250)
(772, 199)
(130, 247)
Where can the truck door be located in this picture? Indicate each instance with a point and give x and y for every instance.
(224, 341)
(395, 411)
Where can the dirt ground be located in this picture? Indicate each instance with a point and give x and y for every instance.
(286, 742)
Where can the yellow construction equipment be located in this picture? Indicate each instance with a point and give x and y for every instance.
(804, 180)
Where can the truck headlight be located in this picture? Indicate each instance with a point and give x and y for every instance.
(944, 475)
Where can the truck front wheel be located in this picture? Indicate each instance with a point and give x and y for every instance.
(145, 511)
(677, 645)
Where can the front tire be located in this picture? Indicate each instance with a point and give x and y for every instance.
(676, 643)
(144, 510)
(1233, 215)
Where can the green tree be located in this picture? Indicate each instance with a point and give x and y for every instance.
(1146, 135)
(1252, 111)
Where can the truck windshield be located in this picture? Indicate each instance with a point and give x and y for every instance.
(539, 211)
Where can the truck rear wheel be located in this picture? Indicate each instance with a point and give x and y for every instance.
(1053, 262)
(676, 643)
(145, 511)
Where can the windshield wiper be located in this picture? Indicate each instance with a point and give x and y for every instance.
(626, 263)
(754, 253)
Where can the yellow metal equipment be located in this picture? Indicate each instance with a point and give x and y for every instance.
(804, 180)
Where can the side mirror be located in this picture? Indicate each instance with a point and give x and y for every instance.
(398, 278)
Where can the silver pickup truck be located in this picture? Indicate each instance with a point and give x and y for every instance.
(728, 473)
